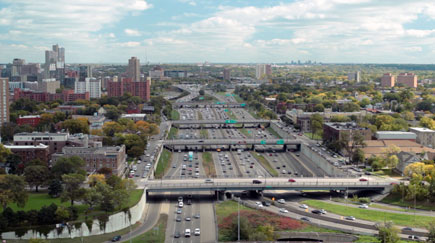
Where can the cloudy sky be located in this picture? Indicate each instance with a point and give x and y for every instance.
(231, 31)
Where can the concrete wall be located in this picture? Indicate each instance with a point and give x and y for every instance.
(321, 162)
(281, 132)
(115, 222)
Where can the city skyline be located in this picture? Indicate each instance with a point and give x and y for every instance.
(190, 31)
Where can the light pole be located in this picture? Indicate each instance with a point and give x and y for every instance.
(238, 219)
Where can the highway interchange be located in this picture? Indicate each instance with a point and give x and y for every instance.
(198, 211)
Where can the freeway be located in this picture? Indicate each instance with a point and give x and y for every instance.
(235, 184)
(232, 141)
(227, 121)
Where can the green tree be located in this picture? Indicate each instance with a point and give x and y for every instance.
(4, 153)
(73, 190)
(319, 108)
(93, 196)
(69, 165)
(431, 232)
(76, 126)
(36, 175)
(316, 124)
(62, 214)
(15, 164)
(427, 122)
(387, 233)
(55, 188)
(12, 190)
(358, 156)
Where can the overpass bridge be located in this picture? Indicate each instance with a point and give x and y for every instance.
(246, 184)
(207, 105)
(191, 123)
(171, 144)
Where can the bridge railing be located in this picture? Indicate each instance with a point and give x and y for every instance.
(314, 184)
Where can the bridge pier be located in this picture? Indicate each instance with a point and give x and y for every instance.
(298, 147)
(220, 195)
(284, 147)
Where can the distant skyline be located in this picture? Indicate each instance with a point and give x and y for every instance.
(224, 31)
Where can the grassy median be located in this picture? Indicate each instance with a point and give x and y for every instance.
(207, 162)
(372, 215)
(155, 235)
(175, 115)
(263, 161)
(163, 164)
(173, 133)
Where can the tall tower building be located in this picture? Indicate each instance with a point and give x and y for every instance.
(4, 100)
(85, 71)
(55, 63)
(356, 76)
(407, 80)
(227, 74)
(263, 71)
(133, 69)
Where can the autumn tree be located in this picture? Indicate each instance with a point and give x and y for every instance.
(12, 190)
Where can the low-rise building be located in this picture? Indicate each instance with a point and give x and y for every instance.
(425, 136)
(31, 152)
(29, 120)
(135, 117)
(97, 158)
(395, 135)
(378, 147)
(334, 131)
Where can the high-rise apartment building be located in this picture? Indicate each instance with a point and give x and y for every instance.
(355, 76)
(4, 100)
(85, 71)
(91, 85)
(55, 63)
(133, 69)
(49, 85)
(407, 80)
(141, 89)
(263, 71)
(388, 80)
(227, 74)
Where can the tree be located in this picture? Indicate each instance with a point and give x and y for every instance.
(358, 156)
(96, 178)
(391, 161)
(69, 165)
(106, 171)
(316, 124)
(72, 191)
(62, 214)
(93, 196)
(112, 127)
(427, 122)
(431, 232)
(36, 175)
(76, 126)
(387, 233)
(112, 113)
(319, 108)
(201, 92)
(409, 116)
(4, 153)
(55, 188)
(12, 190)
(13, 161)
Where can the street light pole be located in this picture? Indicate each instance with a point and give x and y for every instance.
(238, 219)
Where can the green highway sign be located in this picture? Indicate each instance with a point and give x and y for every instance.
(227, 95)
(243, 104)
(201, 98)
(280, 142)
(263, 142)
(226, 110)
(232, 95)
(218, 103)
(230, 121)
(249, 131)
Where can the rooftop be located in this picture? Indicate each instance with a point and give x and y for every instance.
(40, 146)
(421, 129)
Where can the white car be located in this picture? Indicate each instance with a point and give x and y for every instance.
(304, 206)
(363, 206)
(257, 203)
(282, 201)
(197, 231)
(283, 210)
(352, 218)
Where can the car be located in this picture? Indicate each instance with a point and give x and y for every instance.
(178, 219)
(197, 231)
(413, 237)
(363, 179)
(180, 199)
(178, 210)
(317, 211)
(177, 234)
(304, 206)
(188, 219)
(291, 180)
(174, 166)
(282, 201)
(363, 206)
(407, 229)
(283, 210)
(187, 233)
(323, 211)
(196, 216)
(255, 181)
(305, 219)
(251, 166)
(267, 204)
(180, 204)
(352, 218)
(116, 238)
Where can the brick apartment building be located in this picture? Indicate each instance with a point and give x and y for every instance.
(334, 131)
(97, 157)
(65, 96)
(141, 89)
(31, 152)
(29, 120)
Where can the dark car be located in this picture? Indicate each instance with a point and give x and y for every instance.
(116, 238)
(316, 211)
(256, 181)
(178, 219)
(189, 202)
(267, 204)
(177, 235)
(305, 219)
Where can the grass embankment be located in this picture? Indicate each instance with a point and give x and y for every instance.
(373, 239)
(155, 235)
(173, 133)
(310, 136)
(372, 215)
(175, 115)
(263, 161)
(397, 201)
(273, 132)
(226, 213)
(207, 162)
(245, 132)
(163, 163)
(199, 115)
(231, 115)
(238, 98)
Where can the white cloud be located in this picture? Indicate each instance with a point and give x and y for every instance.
(413, 49)
(132, 32)
(112, 35)
(130, 44)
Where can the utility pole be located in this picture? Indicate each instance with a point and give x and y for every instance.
(238, 219)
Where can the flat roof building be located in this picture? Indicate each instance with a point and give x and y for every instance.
(395, 135)
(425, 136)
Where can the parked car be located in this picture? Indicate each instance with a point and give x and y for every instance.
(116, 238)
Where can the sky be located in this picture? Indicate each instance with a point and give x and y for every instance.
(220, 31)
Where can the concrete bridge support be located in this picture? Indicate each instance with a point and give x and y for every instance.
(220, 195)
